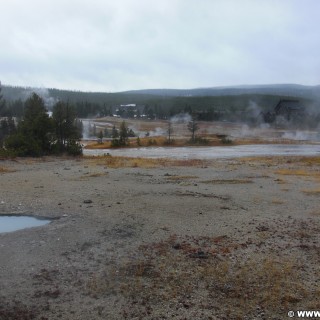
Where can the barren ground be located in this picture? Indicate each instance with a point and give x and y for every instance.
(225, 239)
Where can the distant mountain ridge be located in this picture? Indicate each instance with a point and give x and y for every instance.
(277, 89)
(290, 90)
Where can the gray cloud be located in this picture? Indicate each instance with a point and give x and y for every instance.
(131, 44)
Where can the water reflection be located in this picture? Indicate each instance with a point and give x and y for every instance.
(13, 223)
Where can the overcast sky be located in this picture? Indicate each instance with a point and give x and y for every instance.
(104, 45)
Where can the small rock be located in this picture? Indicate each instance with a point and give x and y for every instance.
(262, 228)
(176, 246)
(200, 255)
(87, 201)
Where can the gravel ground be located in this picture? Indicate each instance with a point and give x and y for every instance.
(226, 239)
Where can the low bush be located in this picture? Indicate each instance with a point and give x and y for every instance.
(225, 140)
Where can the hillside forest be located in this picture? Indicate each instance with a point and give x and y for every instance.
(48, 121)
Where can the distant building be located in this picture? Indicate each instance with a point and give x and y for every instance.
(284, 112)
(128, 105)
(289, 109)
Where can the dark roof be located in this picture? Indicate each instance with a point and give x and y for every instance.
(288, 106)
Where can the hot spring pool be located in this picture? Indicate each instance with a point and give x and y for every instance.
(13, 223)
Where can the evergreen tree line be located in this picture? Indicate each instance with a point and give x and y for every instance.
(37, 134)
(207, 108)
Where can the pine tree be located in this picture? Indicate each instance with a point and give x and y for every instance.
(36, 123)
(34, 132)
(123, 135)
(115, 133)
(2, 103)
(66, 128)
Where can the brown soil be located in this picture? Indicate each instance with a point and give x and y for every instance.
(227, 239)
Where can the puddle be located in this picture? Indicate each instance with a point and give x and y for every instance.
(212, 152)
(13, 223)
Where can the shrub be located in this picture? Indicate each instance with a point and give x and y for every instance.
(169, 142)
(22, 145)
(225, 140)
(74, 148)
(199, 141)
(152, 142)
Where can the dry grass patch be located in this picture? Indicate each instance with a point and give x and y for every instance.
(131, 162)
(6, 170)
(280, 181)
(282, 160)
(96, 145)
(268, 161)
(86, 177)
(295, 172)
(315, 213)
(314, 192)
(96, 175)
(308, 175)
(228, 181)
(178, 178)
(277, 201)
(198, 277)
(311, 161)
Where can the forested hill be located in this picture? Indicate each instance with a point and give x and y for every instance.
(294, 90)
(163, 103)
(290, 90)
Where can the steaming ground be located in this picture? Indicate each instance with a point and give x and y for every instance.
(156, 128)
(169, 241)
(207, 153)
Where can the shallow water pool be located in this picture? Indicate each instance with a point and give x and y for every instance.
(13, 223)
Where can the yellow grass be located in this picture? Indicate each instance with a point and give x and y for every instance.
(158, 141)
(5, 170)
(276, 160)
(174, 178)
(294, 172)
(166, 275)
(130, 162)
(104, 145)
(315, 213)
(278, 201)
(228, 181)
(305, 174)
(313, 192)
(86, 177)
(281, 181)
(95, 175)
(311, 161)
